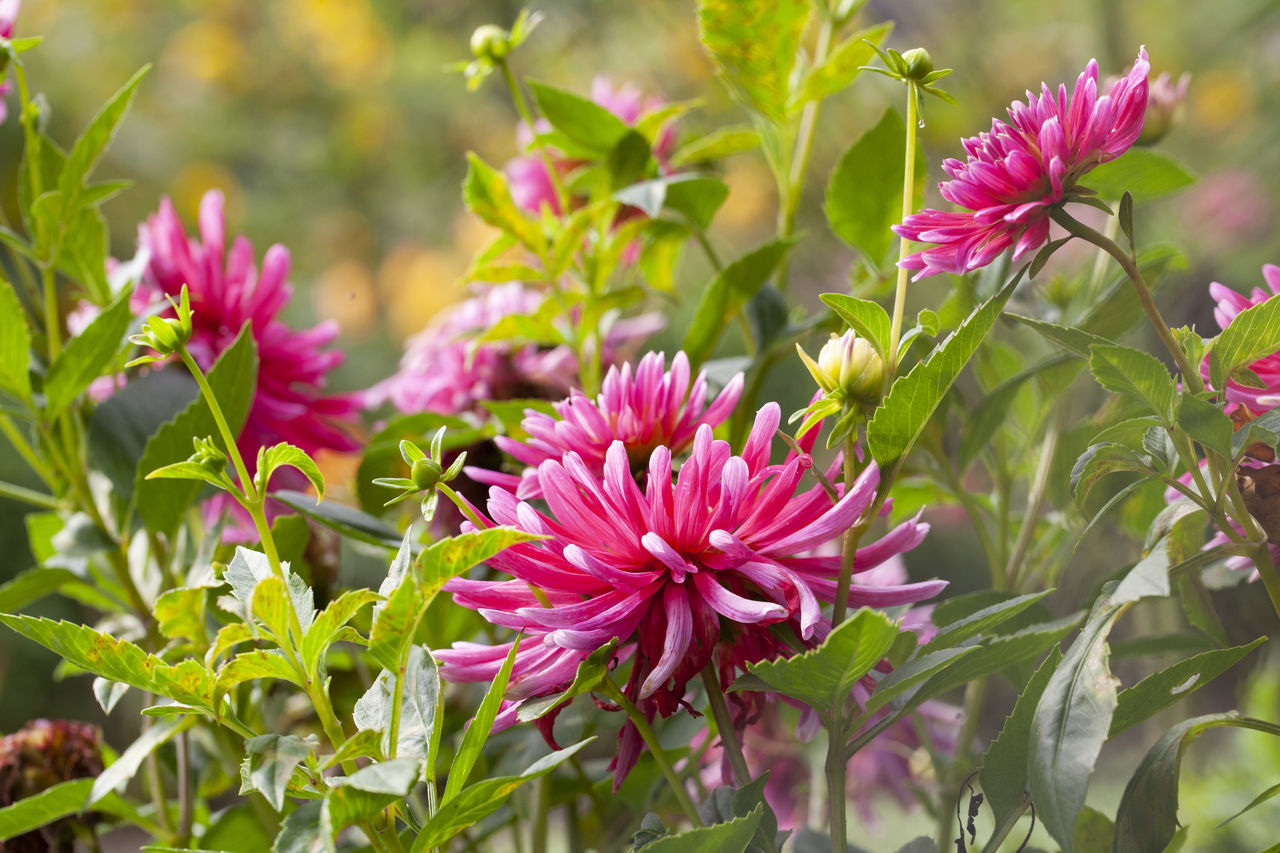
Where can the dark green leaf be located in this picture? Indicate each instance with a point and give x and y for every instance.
(348, 521)
(1206, 423)
(912, 673)
(1004, 767)
(1148, 579)
(32, 585)
(726, 295)
(1136, 374)
(732, 836)
(868, 319)
(1074, 340)
(1126, 217)
(86, 355)
(58, 801)
(121, 425)
(981, 621)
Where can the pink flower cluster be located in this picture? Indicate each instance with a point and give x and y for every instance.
(1016, 175)
(685, 563)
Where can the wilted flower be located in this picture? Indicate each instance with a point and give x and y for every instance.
(1017, 174)
(228, 291)
(643, 408)
(41, 754)
(663, 566)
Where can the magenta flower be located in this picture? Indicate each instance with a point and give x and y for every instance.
(643, 408)
(8, 17)
(660, 567)
(228, 291)
(1229, 304)
(1017, 174)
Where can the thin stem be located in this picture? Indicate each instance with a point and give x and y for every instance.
(1035, 502)
(185, 790)
(851, 538)
(724, 725)
(52, 319)
(19, 493)
(15, 437)
(228, 437)
(837, 781)
(975, 694)
(464, 505)
(1129, 264)
(541, 805)
(526, 115)
(908, 197)
(655, 748)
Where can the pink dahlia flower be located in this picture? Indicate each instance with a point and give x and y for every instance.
(643, 408)
(227, 290)
(1017, 174)
(1229, 304)
(8, 17)
(661, 567)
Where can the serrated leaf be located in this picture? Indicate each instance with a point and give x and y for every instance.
(843, 65)
(1071, 723)
(180, 613)
(868, 319)
(1148, 815)
(734, 31)
(727, 294)
(254, 665)
(1004, 767)
(732, 836)
(981, 621)
(1136, 374)
(162, 504)
(86, 355)
(482, 799)
(914, 397)
(126, 766)
(269, 763)
(1076, 341)
(913, 672)
(419, 684)
(365, 793)
(1160, 690)
(1099, 461)
(1206, 423)
(329, 622)
(15, 345)
(1143, 172)
(989, 415)
(93, 141)
(864, 194)
(1252, 334)
(589, 674)
(822, 677)
(53, 803)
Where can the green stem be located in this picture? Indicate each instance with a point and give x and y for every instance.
(1035, 502)
(724, 726)
(19, 442)
(975, 694)
(837, 792)
(851, 538)
(52, 318)
(224, 430)
(526, 115)
(1129, 264)
(541, 805)
(185, 790)
(908, 197)
(655, 748)
(805, 135)
(29, 496)
(463, 505)
(1267, 570)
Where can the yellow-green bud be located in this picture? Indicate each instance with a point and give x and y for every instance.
(918, 63)
(851, 366)
(490, 42)
(425, 473)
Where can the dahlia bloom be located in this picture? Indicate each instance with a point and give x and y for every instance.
(643, 408)
(8, 17)
(1017, 174)
(227, 291)
(659, 567)
(1229, 303)
(445, 370)
(529, 181)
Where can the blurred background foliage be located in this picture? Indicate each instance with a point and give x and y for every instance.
(333, 128)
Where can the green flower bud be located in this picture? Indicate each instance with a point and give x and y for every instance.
(425, 473)
(850, 366)
(490, 42)
(918, 63)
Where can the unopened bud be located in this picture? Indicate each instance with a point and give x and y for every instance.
(850, 365)
(918, 63)
(490, 42)
(1165, 106)
(425, 473)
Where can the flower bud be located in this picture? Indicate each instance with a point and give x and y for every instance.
(425, 473)
(850, 366)
(1165, 106)
(490, 42)
(917, 63)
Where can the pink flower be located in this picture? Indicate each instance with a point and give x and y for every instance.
(644, 409)
(527, 176)
(1016, 175)
(660, 567)
(1229, 304)
(8, 17)
(227, 291)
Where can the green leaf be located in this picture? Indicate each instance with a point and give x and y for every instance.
(1149, 578)
(53, 803)
(696, 197)
(1160, 690)
(981, 621)
(864, 195)
(1135, 374)
(86, 355)
(1148, 815)
(726, 295)
(721, 143)
(1076, 341)
(33, 585)
(15, 345)
(126, 766)
(479, 728)
(735, 31)
(1252, 334)
(255, 665)
(1004, 767)
(482, 799)
(913, 672)
(180, 613)
(330, 622)
(867, 319)
(1206, 423)
(1256, 801)
(914, 397)
(349, 521)
(93, 142)
(983, 421)
(732, 836)
(822, 677)
(302, 831)
(1095, 833)
(1099, 461)
(118, 660)
(419, 697)
(843, 64)
(162, 504)
(486, 194)
(1144, 172)
(580, 119)
(286, 455)
(365, 793)
(590, 673)
(269, 763)
(1071, 723)
(382, 454)
(121, 425)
